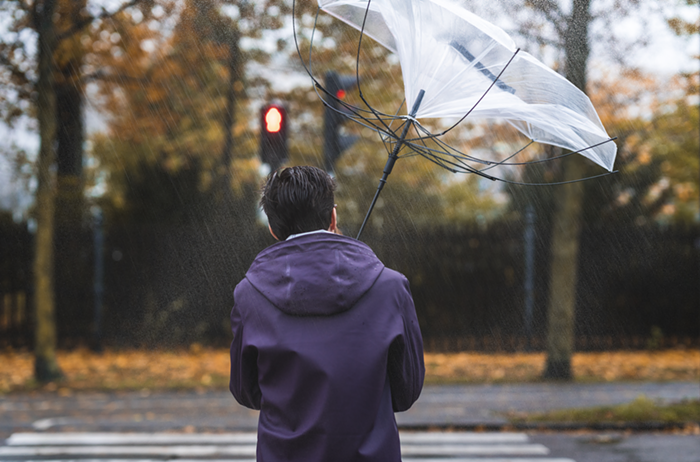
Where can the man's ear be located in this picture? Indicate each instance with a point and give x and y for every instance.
(273, 234)
(333, 228)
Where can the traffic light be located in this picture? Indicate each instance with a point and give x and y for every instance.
(334, 143)
(273, 134)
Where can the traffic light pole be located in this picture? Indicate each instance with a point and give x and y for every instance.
(334, 143)
(392, 159)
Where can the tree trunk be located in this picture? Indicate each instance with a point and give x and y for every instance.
(240, 211)
(566, 224)
(234, 75)
(70, 135)
(72, 268)
(561, 311)
(45, 365)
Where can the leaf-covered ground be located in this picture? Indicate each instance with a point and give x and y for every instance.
(199, 368)
(600, 366)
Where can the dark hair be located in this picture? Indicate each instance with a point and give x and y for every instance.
(297, 200)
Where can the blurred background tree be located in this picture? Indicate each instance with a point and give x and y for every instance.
(51, 77)
(157, 125)
(566, 34)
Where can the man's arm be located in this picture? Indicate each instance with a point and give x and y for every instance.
(406, 367)
(244, 368)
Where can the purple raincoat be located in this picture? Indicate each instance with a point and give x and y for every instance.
(326, 344)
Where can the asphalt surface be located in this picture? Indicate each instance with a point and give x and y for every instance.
(440, 406)
(621, 446)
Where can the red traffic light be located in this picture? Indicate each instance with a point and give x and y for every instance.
(340, 94)
(273, 134)
(273, 120)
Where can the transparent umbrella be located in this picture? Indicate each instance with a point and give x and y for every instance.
(457, 65)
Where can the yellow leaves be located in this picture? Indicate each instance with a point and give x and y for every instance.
(115, 370)
(662, 365)
(203, 368)
(644, 157)
(604, 366)
(684, 27)
(482, 367)
(685, 192)
(16, 370)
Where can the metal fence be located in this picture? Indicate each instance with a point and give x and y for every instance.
(171, 286)
(15, 284)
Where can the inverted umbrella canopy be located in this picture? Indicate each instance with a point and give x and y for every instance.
(463, 63)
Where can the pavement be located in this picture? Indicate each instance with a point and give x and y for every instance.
(440, 406)
(486, 405)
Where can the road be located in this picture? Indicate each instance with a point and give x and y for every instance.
(438, 406)
(444, 408)
(415, 447)
(621, 447)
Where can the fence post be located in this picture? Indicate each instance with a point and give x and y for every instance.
(98, 283)
(529, 273)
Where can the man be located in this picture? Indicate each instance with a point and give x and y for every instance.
(326, 342)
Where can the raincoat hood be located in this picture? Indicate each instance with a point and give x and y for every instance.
(320, 274)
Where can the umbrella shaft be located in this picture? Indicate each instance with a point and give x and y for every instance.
(392, 159)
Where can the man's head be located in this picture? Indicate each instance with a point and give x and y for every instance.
(298, 200)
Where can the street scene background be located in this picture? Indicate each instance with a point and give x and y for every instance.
(132, 155)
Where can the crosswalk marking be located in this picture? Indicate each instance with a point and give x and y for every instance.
(42, 439)
(240, 447)
(441, 459)
(179, 451)
(56, 439)
(474, 450)
(249, 450)
(461, 437)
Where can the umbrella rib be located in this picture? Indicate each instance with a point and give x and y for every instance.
(504, 161)
(458, 162)
(357, 68)
(462, 168)
(311, 42)
(558, 183)
(549, 159)
(354, 109)
(446, 148)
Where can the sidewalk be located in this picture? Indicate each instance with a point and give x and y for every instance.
(483, 405)
(439, 406)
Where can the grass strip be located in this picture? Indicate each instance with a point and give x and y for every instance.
(642, 409)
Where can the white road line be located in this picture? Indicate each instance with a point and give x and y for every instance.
(249, 450)
(472, 459)
(75, 439)
(461, 437)
(187, 451)
(203, 460)
(240, 447)
(474, 450)
(441, 459)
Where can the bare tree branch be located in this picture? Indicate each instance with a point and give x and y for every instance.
(77, 27)
(102, 75)
(15, 71)
(524, 32)
(24, 6)
(551, 11)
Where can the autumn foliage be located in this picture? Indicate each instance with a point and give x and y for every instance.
(200, 368)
